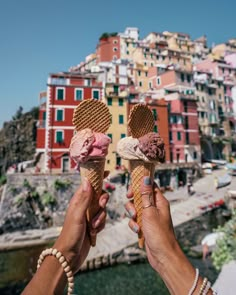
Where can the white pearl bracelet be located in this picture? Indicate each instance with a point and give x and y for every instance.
(64, 264)
(194, 283)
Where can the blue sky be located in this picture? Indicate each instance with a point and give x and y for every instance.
(46, 36)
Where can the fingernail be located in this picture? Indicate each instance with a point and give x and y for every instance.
(131, 213)
(147, 180)
(103, 203)
(96, 223)
(85, 184)
(135, 228)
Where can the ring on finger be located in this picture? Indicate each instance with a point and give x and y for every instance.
(147, 206)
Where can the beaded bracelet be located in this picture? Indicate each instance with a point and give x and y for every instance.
(194, 283)
(64, 264)
(208, 286)
(203, 286)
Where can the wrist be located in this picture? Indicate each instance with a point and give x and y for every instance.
(177, 272)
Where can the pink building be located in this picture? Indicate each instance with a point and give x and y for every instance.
(183, 117)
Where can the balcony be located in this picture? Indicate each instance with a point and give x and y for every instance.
(183, 96)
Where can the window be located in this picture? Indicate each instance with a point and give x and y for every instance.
(87, 82)
(146, 74)
(121, 119)
(195, 155)
(114, 49)
(59, 136)
(150, 85)
(114, 41)
(178, 135)
(170, 136)
(154, 111)
(203, 99)
(140, 84)
(121, 102)
(182, 77)
(116, 89)
(110, 135)
(44, 115)
(122, 135)
(59, 115)
(158, 80)
(60, 93)
(109, 101)
(96, 94)
(155, 128)
(188, 78)
(79, 94)
(139, 73)
(127, 52)
(185, 106)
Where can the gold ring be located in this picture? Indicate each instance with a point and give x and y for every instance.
(147, 206)
(146, 193)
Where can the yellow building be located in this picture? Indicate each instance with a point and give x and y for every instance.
(116, 100)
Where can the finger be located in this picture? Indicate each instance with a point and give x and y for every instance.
(106, 174)
(82, 198)
(130, 194)
(103, 200)
(101, 227)
(99, 218)
(147, 192)
(134, 226)
(159, 198)
(129, 206)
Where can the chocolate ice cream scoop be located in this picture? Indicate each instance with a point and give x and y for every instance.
(152, 146)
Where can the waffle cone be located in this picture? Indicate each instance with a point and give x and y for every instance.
(93, 170)
(138, 170)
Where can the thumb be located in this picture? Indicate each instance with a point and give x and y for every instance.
(147, 197)
(83, 197)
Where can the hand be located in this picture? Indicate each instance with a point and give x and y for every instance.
(157, 227)
(74, 241)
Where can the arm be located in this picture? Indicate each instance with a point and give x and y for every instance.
(73, 243)
(163, 251)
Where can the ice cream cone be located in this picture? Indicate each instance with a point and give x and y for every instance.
(141, 122)
(93, 171)
(95, 115)
(138, 170)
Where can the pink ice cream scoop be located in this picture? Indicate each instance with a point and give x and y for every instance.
(86, 145)
(152, 146)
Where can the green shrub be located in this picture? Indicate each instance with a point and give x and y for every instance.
(60, 184)
(225, 249)
(19, 200)
(3, 180)
(48, 199)
(26, 184)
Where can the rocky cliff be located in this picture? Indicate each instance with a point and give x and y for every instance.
(18, 139)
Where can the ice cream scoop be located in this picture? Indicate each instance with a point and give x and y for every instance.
(149, 148)
(87, 145)
(152, 146)
(128, 149)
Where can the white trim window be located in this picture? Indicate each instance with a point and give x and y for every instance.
(60, 115)
(60, 93)
(79, 94)
(59, 136)
(115, 49)
(96, 93)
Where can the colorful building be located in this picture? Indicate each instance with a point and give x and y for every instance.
(64, 92)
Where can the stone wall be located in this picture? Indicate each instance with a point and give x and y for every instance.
(36, 201)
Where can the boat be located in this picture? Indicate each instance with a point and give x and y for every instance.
(218, 162)
(222, 181)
